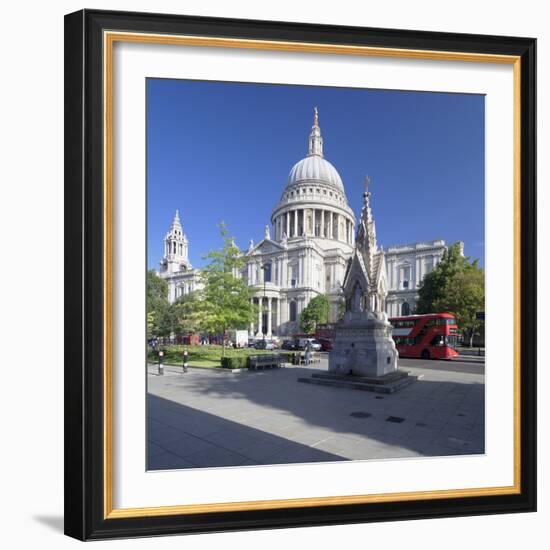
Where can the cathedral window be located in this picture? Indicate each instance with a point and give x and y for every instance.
(405, 276)
(292, 312)
(267, 272)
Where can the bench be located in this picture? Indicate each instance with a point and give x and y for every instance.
(264, 361)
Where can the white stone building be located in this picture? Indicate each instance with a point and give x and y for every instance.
(306, 250)
(406, 266)
(175, 266)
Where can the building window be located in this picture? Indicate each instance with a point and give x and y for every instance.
(267, 272)
(405, 276)
(292, 312)
(405, 309)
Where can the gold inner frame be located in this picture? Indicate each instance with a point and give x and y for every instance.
(109, 39)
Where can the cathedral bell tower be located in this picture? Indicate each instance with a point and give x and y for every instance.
(176, 249)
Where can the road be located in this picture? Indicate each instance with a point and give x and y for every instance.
(466, 367)
(449, 366)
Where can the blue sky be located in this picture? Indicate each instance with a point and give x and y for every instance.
(223, 151)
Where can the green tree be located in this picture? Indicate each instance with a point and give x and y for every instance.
(457, 286)
(158, 308)
(188, 313)
(314, 313)
(225, 298)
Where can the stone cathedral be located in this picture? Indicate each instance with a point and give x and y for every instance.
(305, 250)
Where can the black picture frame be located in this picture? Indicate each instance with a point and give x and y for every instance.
(85, 517)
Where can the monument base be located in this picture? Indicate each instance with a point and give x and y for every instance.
(363, 345)
(389, 383)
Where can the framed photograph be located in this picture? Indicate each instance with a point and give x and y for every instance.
(300, 274)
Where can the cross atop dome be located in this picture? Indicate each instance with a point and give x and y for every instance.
(315, 139)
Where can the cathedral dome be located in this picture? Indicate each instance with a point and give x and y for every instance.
(315, 168)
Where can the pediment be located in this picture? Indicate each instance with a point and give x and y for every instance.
(356, 274)
(266, 246)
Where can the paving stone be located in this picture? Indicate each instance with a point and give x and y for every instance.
(216, 456)
(168, 461)
(267, 417)
(187, 445)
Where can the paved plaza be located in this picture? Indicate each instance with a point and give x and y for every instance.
(214, 417)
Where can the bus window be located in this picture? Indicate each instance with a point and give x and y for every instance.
(438, 340)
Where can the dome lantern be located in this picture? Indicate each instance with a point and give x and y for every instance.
(315, 138)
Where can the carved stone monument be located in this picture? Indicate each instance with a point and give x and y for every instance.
(364, 354)
(363, 345)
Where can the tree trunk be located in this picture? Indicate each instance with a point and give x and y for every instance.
(471, 337)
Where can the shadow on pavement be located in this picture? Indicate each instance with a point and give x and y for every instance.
(183, 437)
(267, 417)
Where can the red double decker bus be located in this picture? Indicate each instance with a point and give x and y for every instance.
(431, 336)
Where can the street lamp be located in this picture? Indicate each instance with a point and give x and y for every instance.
(264, 268)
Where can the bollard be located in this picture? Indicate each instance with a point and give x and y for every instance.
(185, 359)
(161, 366)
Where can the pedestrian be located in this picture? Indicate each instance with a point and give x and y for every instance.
(308, 353)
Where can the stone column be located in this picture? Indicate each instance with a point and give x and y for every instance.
(260, 306)
(331, 227)
(251, 331)
(295, 223)
(322, 223)
(278, 316)
(269, 317)
(313, 221)
(287, 216)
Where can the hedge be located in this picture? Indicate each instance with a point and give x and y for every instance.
(234, 362)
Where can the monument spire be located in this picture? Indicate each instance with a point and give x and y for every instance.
(366, 235)
(315, 139)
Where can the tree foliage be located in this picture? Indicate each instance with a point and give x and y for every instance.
(225, 298)
(159, 317)
(188, 313)
(457, 286)
(314, 313)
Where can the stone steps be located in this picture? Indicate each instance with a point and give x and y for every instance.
(389, 383)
